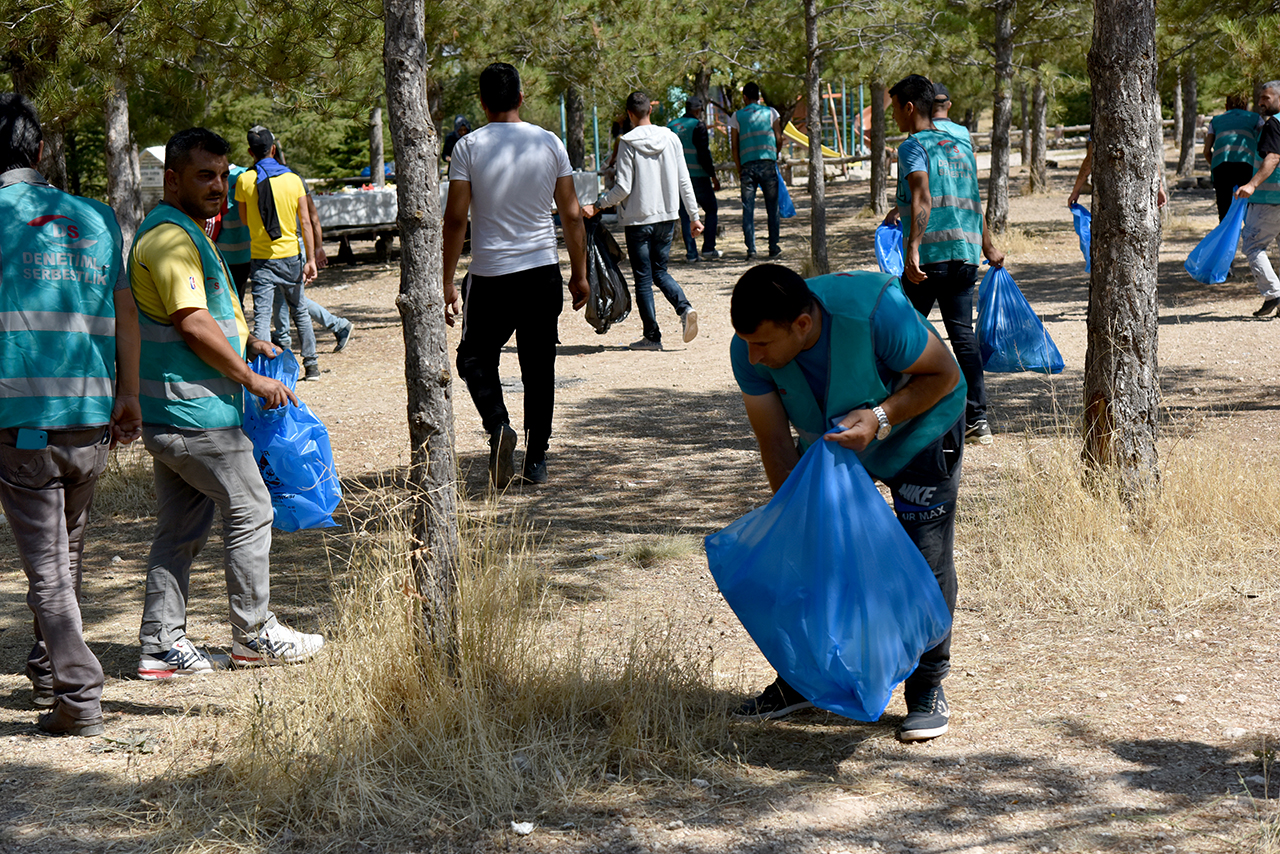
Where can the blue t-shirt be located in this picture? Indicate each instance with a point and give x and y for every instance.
(900, 339)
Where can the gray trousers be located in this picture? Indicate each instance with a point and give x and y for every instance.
(1261, 227)
(198, 473)
(46, 495)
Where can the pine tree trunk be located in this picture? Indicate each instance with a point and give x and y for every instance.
(702, 82)
(879, 154)
(53, 165)
(421, 304)
(817, 170)
(1177, 108)
(1026, 126)
(1121, 386)
(124, 175)
(1039, 138)
(1187, 130)
(575, 112)
(377, 158)
(1001, 120)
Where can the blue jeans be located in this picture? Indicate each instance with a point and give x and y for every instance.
(706, 197)
(649, 248)
(285, 275)
(762, 174)
(950, 285)
(321, 317)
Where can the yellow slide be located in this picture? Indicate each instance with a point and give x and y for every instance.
(796, 136)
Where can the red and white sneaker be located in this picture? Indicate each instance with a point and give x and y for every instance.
(276, 645)
(182, 659)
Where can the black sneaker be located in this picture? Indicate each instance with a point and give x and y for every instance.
(751, 255)
(343, 337)
(312, 373)
(978, 433)
(502, 456)
(535, 473)
(775, 254)
(777, 701)
(928, 715)
(1268, 306)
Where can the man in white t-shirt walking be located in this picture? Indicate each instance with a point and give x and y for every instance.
(651, 182)
(510, 175)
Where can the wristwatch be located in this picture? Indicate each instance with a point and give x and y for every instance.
(883, 432)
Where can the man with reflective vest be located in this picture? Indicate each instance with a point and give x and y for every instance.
(1231, 147)
(943, 233)
(232, 238)
(702, 172)
(755, 136)
(1262, 220)
(849, 350)
(194, 341)
(69, 390)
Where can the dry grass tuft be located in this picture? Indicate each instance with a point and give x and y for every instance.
(384, 736)
(652, 550)
(1047, 541)
(127, 486)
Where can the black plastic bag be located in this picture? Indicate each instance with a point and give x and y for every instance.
(610, 301)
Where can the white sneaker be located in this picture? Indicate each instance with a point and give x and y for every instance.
(689, 320)
(182, 659)
(276, 645)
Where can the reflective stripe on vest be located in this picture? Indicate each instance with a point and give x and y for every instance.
(1235, 137)
(59, 264)
(684, 128)
(179, 388)
(954, 232)
(755, 134)
(1269, 192)
(851, 300)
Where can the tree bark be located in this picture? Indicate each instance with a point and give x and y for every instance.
(1039, 139)
(428, 377)
(1001, 121)
(879, 154)
(53, 165)
(377, 159)
(124, 174)
(1026, 125)
(1187, 130)
(817, 169)
(575, 112)
(702, 82)
(1121, 387)
(1177, 107)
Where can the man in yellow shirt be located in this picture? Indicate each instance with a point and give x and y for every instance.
(272, 201)
(193, 376)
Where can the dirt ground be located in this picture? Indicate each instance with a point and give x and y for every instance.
(1148, 735)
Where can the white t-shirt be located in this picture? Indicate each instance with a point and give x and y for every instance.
(513, 168)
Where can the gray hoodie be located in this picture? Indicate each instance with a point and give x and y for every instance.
(652, 178)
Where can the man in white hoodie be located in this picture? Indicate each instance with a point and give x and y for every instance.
(651, 181)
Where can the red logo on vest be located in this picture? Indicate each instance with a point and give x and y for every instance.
(70, 229)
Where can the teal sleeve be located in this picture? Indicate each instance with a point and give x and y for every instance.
(900, 333)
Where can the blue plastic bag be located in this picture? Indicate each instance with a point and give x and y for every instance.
(293, 452)
(1010, 336)
(1083, 222)
(829, 585)
(786, 207)
(889, 249)
(1210, 262)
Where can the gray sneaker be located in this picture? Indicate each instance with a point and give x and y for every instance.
(645, 344)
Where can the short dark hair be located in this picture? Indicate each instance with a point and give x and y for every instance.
(768, 292)
(638, 104)
(177, 151)
(917, 90)
(1237, 101)
(500, 87)
(751, 93)
(20, 133)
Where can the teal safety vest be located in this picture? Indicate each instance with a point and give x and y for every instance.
(233, 239)
(852, 379)
(59, 264)
(1235, 137)
(684, 128)
(178, 388)
(1269, 192)
(755, 134)
(954, 232)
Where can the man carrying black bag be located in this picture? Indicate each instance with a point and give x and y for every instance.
(849, 351)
